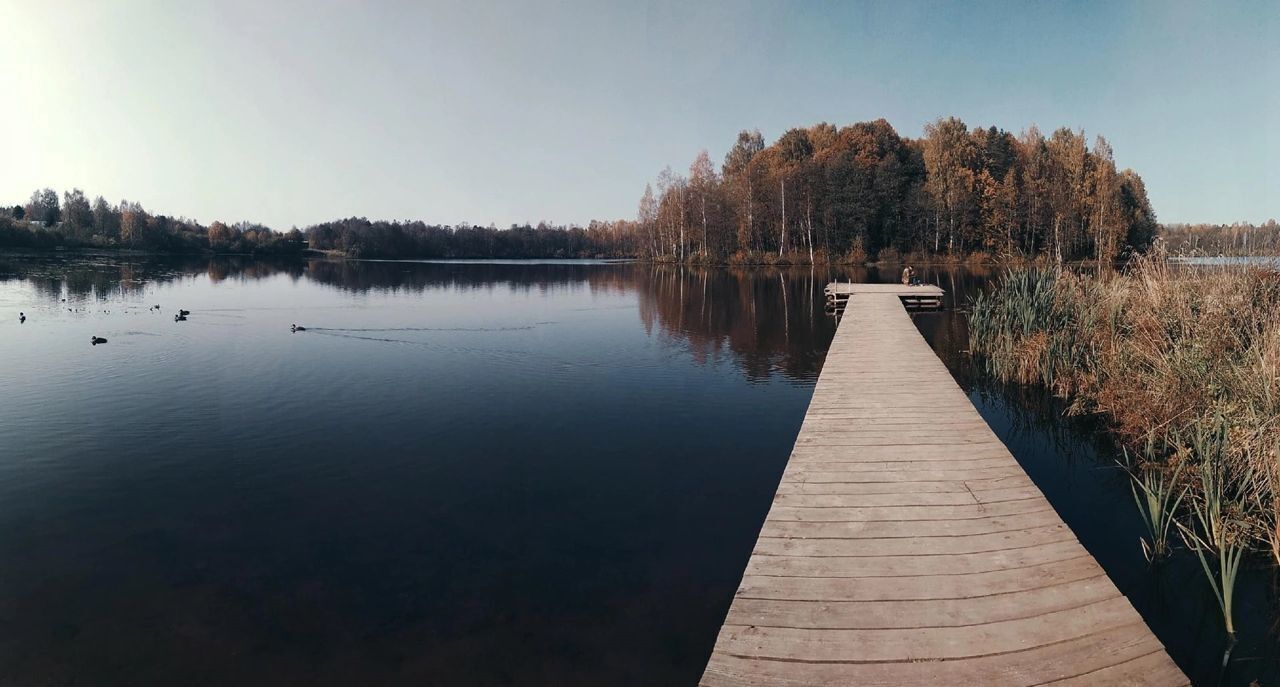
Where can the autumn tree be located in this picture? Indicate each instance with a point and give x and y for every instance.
(794, 150)
(1135, 211)
(1035, 183)
(739, 176)
(672, 192)
(1067, 173)
(133, 223)
(1104, 189)
(106, 219)
(647, 218)
(949, 156)
(702, 183)
(77, 213)
(44, 207)
(219, 236)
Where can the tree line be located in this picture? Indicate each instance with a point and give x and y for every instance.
(1236, 239)
(361, 238)
(828, 194)
(825, 193)
(818, 194)
(47, 221)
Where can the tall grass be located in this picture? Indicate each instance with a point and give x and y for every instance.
(1185, 364)
(1158, 493)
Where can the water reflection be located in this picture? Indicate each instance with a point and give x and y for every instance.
(768, 322)
(460, 474)
(567, 469)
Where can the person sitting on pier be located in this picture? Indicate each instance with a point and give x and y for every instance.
(909, 277)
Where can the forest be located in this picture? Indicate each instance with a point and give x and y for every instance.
(826, 194)
(820, 194)
(47, 222)
(362, 238)
(1222, 239)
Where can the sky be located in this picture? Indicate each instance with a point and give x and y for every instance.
(292, 113)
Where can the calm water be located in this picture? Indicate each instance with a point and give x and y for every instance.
(1245, 260)
(460, 474)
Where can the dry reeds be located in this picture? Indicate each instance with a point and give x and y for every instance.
(1185, 363)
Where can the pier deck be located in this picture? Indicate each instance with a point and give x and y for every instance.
(919, 297)
(905, 545)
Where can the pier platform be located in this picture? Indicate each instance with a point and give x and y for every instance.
(906, 546)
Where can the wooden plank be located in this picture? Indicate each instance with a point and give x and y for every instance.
(910, 499)
(932, 642)
(977, 463)
(899, 614)
(905, 545)
(961, 487)
(936, 565)
(1040, 665)
(1045, 576)
(906, 513)
(770, 545)
(1154, 668)
(884, 289)
(910, 529)
(802, 474)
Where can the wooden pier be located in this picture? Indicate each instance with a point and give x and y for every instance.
(920, 297)
(905, 545)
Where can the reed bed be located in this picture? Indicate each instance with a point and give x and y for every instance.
(1185, 365)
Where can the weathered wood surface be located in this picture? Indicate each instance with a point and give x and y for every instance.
(845, 289)
(905, 545)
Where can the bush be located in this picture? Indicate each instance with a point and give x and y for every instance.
(888, 256)
(857, 254)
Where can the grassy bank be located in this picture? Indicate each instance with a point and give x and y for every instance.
(1185, 364)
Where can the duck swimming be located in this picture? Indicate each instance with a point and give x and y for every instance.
(179, 318)
(296, 328)
(97, 340)
(184, 313)
(22, 317)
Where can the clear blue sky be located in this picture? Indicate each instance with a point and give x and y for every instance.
(292, 113)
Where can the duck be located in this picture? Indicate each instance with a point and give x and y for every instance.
(179, 318)
(183, 313)
(296, 328)
(22, 317)
(97, 340)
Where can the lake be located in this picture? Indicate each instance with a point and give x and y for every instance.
(544, 473)
(1229, 261)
